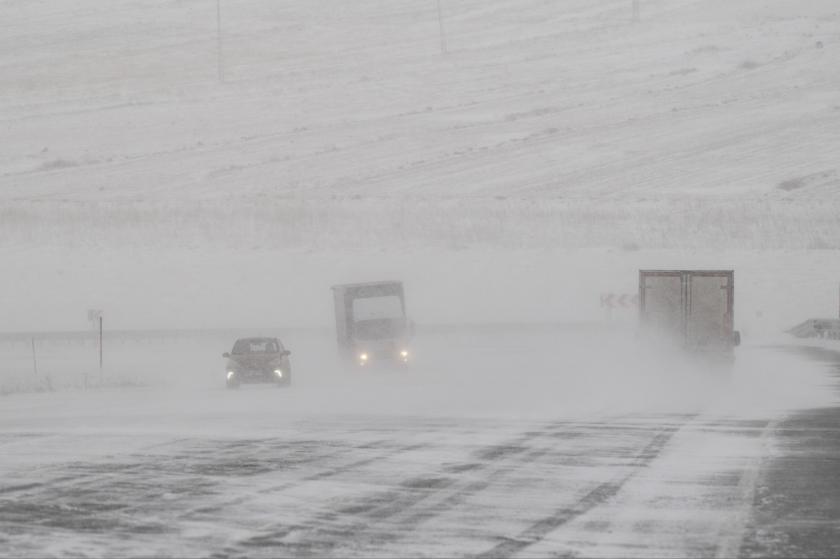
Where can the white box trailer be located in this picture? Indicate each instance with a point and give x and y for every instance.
(692, 308)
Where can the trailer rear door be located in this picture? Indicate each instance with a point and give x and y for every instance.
(661, 302)
(709, 323)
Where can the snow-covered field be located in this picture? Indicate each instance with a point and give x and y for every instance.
(546, 123)
(527, 166)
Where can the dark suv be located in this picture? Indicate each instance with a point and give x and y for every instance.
(258, 360)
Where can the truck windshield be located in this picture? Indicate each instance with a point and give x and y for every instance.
(372, 308)
(379, 329)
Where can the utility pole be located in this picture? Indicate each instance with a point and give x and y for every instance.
(635, 10)
(100, 350)
(219, 41)
(442, 30)
(95, 319)
(34, 359)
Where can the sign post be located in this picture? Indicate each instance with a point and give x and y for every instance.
(100, 349)
(95, 318)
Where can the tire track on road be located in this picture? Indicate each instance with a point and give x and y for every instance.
(389, 452)
(121, 491)
(390, 515)
(378, 517)
(601, 493)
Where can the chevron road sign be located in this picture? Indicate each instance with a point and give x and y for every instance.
(619, 300)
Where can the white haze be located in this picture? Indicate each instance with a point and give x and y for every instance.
(551, 153)
(198, 187)
(554, 150)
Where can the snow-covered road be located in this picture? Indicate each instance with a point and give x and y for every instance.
(543, 447)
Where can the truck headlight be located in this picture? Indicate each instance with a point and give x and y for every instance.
(230, 374)
(404, 354)
(279, 373)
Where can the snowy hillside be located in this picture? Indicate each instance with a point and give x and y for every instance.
(127, 164)
(331, 99)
